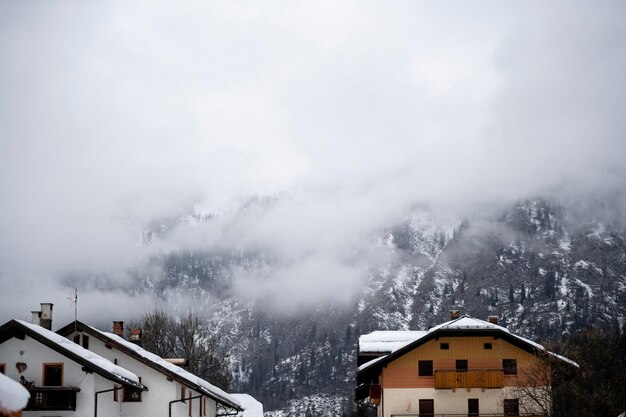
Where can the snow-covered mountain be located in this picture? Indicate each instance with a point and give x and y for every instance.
(543, 268)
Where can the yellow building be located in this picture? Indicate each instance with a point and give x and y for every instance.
(464, 367)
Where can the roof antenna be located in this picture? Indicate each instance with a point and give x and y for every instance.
(74, 301)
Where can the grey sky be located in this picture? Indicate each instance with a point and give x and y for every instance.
(115, 114)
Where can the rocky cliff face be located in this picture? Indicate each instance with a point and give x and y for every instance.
(542, 268)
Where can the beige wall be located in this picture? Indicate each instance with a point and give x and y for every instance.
(406, 400)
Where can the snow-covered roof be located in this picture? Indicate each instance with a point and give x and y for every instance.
(13, 396)
(251, 407)
(386, 341)
(97, 362)
(463, 323)
(192, 380)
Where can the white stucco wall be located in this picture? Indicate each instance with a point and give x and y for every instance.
(155, 401)
(406, 400)
(35, 354)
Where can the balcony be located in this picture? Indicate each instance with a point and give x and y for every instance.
(479, 378)
(52, 398)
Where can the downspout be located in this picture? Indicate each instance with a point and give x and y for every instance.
(95, 412)
(182, 400)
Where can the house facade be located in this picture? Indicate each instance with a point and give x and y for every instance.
(62, 378)
(463, 367)
(173, 391)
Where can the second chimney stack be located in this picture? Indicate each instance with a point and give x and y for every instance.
(118, 328)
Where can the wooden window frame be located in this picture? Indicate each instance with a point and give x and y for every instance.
(43, 373)
(422, 368)
(509, 366)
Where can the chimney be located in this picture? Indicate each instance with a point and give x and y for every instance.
(135, 336)
(493, 319)
(118, 328)
(454, 314)
(43, 317)
(36, 317)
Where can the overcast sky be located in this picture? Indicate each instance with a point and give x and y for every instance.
(114, 114)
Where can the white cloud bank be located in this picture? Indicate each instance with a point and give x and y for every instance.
(115, 114)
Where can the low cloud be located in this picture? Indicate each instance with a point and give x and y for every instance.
(114, 117)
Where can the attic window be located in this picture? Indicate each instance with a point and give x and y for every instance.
(86, 341)
(2, 368)
(488, 346)
(444, 346)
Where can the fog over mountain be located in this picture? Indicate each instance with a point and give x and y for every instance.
(300, 131)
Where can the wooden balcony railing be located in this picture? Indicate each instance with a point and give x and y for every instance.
(479, 378)
(51, 398)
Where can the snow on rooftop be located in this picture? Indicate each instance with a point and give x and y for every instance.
(188, 376)
(251, 407)
(87, 355)
(13, 396)
(387, 341)
(462, 323)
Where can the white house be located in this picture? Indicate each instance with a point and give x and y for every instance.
(63, 378)
(174, 392)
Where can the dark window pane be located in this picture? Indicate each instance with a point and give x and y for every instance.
(444, 346)
(488, 346)
(461, 365)
(52, 375)
(427, 408)
(2, 369)
(509, 366)
(511, 407)
(86, 341)
(472, 406)
(425, 368)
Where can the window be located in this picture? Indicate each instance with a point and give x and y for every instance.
(77, 339)
(3, 369)
(182, 392)
(132, 394)
(488, 346)
(511, 407)
(509, 366)
(444, 346)
(52, 374)
(461, 365)
(427, 408)
(425, 368)
(472, 407)
(86, 341)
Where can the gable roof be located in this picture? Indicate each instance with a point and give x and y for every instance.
(462, 326)
(157, 363)
(386, 341)
(71, 350)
